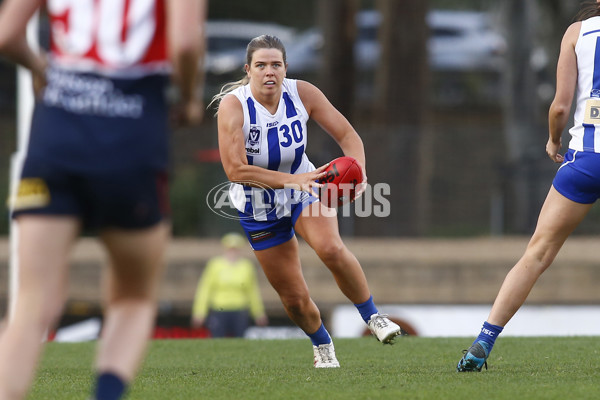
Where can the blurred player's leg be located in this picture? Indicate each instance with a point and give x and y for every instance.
(137, 260)
(44, 244)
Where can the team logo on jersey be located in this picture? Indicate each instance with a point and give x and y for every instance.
(592, 112)
(31, 193)
(253, 141)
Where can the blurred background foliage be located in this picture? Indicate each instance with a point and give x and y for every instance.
(462, 150)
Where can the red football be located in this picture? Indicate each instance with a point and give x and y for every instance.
(343, 174)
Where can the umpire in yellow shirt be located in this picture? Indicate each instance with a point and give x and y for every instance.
(228, 293)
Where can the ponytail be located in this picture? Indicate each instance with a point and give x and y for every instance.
(588, 9)
(225, 90)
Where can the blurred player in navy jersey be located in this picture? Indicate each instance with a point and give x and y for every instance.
(262, 140)
(576, 186)
(97, 160)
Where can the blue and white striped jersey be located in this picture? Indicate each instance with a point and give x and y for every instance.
(276, 142)
(585, 133)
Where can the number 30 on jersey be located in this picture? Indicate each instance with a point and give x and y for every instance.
(111, 32)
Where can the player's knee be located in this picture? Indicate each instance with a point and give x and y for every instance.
(331, 251)
(295, 303)
(542, 251)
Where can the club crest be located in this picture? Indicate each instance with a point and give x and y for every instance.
(253, 141)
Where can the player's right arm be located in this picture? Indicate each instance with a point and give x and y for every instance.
(232, 149)
(185, 35)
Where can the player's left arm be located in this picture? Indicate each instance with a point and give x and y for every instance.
(328, 117)
(185, 26)
(321, 110)
(14, 16)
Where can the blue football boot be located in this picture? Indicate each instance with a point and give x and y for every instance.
(475, 358)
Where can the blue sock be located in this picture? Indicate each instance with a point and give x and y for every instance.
(321, 336)
(367, 309)
(109, 387)
(489, 333)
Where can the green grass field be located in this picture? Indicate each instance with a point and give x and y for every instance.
(413, 368)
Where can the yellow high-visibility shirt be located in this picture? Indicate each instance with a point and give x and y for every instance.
(228, 286)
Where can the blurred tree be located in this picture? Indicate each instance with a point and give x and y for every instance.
(520, 107)
(402, 111)
(401, 73)
(337, 21)
(296, 13)
(462, 4)
(557, 14)
(530, 77)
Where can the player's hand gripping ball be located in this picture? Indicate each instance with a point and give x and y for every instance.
(343, 176)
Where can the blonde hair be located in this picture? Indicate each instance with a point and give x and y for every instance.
(259, 42)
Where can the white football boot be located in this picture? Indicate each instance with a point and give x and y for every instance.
(384, 330)
(325, 356)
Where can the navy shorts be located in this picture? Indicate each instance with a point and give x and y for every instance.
(129, 200)
(97, 151)
(578, 178)
(266, 234)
